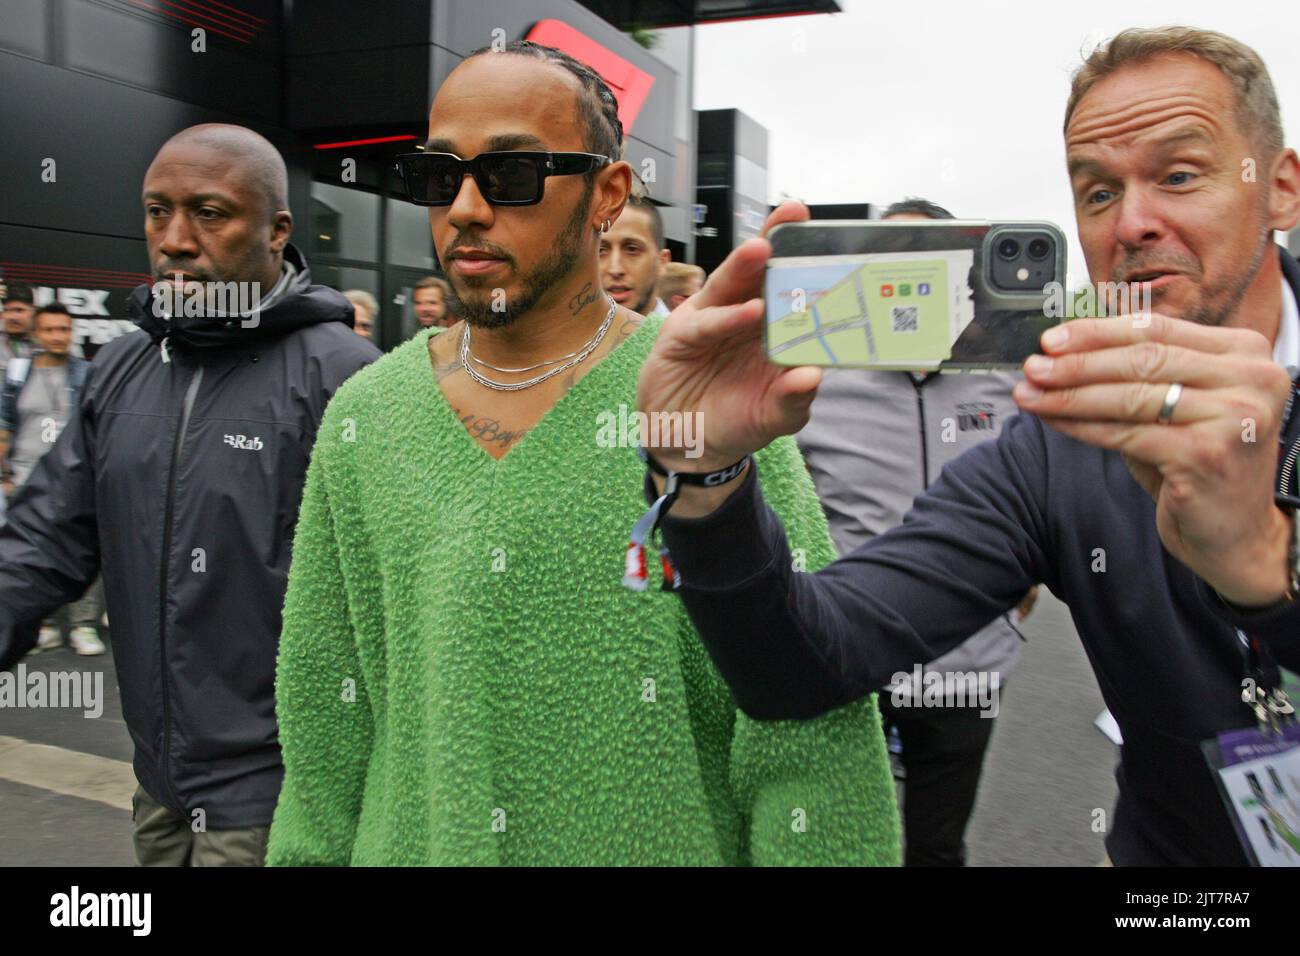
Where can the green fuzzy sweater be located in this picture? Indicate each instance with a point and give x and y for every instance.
(463, 679)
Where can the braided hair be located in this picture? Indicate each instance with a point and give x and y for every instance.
(597, 108)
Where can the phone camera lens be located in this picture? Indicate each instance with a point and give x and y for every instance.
(1039, 249)
(1008, 249)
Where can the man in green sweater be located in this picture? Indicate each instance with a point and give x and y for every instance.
(462, 678)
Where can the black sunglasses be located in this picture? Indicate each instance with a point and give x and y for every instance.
(510, 178)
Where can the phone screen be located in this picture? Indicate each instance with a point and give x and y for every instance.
(910, 295)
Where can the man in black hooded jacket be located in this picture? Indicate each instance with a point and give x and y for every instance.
(180, 474)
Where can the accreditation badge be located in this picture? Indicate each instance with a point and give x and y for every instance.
(1258, 773)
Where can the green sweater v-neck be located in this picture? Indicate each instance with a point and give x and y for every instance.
(463, 679)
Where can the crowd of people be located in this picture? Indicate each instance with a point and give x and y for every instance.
(376, 615)
(42, 386)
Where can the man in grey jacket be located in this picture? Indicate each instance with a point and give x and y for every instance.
(38, 395)
(866, 477)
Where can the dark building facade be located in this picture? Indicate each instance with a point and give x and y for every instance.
(89, 90)
(844, 210)
(731, 190)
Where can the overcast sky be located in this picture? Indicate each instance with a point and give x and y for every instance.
(959, 102)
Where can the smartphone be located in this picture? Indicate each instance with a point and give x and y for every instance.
(912, 295)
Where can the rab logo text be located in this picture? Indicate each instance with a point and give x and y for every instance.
(242, 441)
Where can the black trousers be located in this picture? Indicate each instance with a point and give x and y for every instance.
(943, 755)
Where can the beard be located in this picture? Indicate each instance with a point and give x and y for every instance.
(1219, 303)
(479, 312)
(1215, 303)
(647, 301)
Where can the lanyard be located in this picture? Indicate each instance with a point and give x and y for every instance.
(635, 573)
(1269, 703)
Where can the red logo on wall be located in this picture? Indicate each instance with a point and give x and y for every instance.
(629, 84)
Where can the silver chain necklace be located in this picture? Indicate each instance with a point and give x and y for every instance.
(574, 358)
(527, 368)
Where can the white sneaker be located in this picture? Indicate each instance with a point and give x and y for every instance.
(85, 641)
(50, 639)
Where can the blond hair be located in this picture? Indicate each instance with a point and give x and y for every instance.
(676, 279)
(364, 299)
(1256, 102)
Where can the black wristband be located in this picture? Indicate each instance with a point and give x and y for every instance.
(635, 574)
(708, 479)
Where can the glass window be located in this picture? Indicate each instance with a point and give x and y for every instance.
(402, 282)
(409, 239)
(346, 277)
(344, 222)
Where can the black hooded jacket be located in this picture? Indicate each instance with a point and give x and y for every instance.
(181, 475)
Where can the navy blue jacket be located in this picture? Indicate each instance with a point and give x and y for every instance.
(181, 478)
(1031, 506)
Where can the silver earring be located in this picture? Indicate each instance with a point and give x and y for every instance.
(604, 227)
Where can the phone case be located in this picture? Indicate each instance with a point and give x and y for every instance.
(911, 295)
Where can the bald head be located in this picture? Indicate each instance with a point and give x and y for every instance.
(260, 164)
(216, 206)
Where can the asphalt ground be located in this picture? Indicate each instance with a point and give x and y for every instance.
(66, 781)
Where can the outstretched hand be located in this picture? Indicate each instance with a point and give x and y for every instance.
(709, 361)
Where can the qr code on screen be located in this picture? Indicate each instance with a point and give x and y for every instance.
(904, 317)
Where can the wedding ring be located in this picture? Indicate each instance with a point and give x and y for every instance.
(1171, 399)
